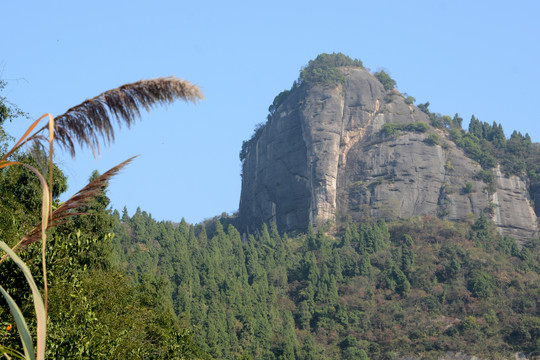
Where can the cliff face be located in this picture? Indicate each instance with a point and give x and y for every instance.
(321, 157)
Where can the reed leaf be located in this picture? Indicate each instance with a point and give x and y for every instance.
(39, 308)
(22, 328)
(90, 122)
(24, 139)
(45, 210)
(71, 206)
(8, 353)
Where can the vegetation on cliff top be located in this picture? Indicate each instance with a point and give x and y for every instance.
(487, 144)
(324, 69)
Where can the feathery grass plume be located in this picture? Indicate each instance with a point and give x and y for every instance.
(86, 124)
(70, 207)
(90, 121)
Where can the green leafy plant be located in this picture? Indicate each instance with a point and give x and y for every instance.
(393, 130)
(469, 187)
(385, 80)
(324, 69)
(433, 139)
(39, 307)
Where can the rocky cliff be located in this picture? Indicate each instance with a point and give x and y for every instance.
(321, 157)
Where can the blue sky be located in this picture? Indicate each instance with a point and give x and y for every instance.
(467, 57)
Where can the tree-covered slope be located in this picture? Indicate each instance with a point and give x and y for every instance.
(422, 287)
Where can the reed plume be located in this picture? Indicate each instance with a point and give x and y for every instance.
(86, 124)
(90, 122)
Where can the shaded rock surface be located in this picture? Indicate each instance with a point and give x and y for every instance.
(321, 158)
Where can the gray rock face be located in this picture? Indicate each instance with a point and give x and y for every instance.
(320, 158)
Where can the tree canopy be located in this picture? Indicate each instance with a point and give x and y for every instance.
(324, 69)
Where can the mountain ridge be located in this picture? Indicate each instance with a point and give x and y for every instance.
(332, 153)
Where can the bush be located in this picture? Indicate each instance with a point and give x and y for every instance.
(419, 127)
(481, 285)
(433, 139)
(469, 187)
(409, 100)
(278, 100)
(489, 178)
(385, 80)
(324, 69)
(424, 107)
(391, 130)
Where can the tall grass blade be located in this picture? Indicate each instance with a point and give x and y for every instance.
(45, 207)
(24, 139)
(24, 333)
(38, 306)
(7, 352)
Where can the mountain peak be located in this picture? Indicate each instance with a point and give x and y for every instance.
(348, 149)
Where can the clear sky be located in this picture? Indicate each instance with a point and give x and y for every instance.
(468, 57)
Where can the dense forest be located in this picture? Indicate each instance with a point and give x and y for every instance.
(128, 286)
(417, 286)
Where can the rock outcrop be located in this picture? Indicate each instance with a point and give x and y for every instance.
(321, 158)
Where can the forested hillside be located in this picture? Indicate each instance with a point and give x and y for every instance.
(374, 290)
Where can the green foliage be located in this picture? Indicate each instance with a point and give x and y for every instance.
(95, 300)
(424, 107)
(488, 177)
(487, 145)
(441, 121)
(385, 80)
(390, 130)
(246, 145)
(419, 127)
(278, 100)
(371, 276)
(8, 110)
(95, 311)
(393, 130)
(21, 197)
(456, 122)
(433, 139)
(469, 187)
(481, 284)
(324, 69)
(39, 308)
(409, 100)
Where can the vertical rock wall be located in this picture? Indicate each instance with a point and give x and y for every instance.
(320, 158)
